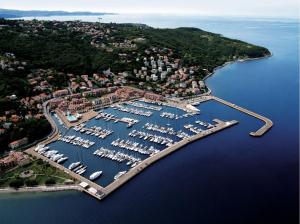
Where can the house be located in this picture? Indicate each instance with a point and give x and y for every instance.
(18, 143)
(62, 92)
(13, 159)
(153, 96)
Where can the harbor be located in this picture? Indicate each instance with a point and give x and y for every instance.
(261, 131)
(104, 152)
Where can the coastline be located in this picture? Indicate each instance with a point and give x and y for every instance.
(235, 61)
(113, 186)
(42, 188)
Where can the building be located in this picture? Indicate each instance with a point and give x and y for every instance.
(18, 143)
(59, 93)
(12, 160)
(153, 96)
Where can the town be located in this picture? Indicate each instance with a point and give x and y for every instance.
(121, 79)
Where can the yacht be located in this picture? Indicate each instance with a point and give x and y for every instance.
(61, 160)
(73, 165)
(95, 175)
(120, 174)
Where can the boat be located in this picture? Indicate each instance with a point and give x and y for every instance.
(61, 160)
(120, 174)
(95, 175)
(73, 165)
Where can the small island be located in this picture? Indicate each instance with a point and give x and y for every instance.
(57, 77)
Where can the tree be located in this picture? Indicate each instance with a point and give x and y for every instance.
(50, 181)
(31, 183)
(17, 183)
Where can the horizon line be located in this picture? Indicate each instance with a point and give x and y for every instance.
(162, 13)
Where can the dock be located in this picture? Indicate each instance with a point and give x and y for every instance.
(220, 125)
(85, 117)
(265, 128)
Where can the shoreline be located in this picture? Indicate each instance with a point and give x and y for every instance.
(131, 173)
(232, 62)
(39, 189)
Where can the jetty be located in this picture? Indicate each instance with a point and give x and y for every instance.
(220, 125)
(265, 128)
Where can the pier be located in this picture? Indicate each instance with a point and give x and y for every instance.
(220, 125)
(266, 127)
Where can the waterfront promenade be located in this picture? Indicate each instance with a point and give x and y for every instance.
(41, 189)
(79, 178)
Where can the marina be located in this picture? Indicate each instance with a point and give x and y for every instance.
(116, 156)
(114, 153)
(144, 106)
(131, 110)
(96, 131)
(72, 139)
(152, 138)
(111, 117)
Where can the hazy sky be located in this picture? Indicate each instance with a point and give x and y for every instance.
(280, 8)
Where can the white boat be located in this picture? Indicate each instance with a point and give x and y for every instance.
(95, 175)
(118, 175)
(61, 160)
(73, 165)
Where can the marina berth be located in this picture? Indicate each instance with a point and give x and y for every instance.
(166, 130)
(152, 138)
(73, 165)
(78, 168)
(110, 117)
(119, 175)
(148, 107)
(192, 128)
(94, 131)
(72, 139)
(95, 175)
(133, 110)
(116, 156)
(53, 155)
(172, 116)
(204, 124)
(106, 116)
(135, 146)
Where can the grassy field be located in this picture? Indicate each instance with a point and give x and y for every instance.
(43, 174)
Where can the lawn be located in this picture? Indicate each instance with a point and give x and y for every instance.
(43, 174)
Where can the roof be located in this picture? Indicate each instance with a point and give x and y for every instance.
(83, 184)
(92, 190)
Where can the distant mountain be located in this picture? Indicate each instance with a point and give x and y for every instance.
(11, 13)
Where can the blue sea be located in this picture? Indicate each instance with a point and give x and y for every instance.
(229, 177)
